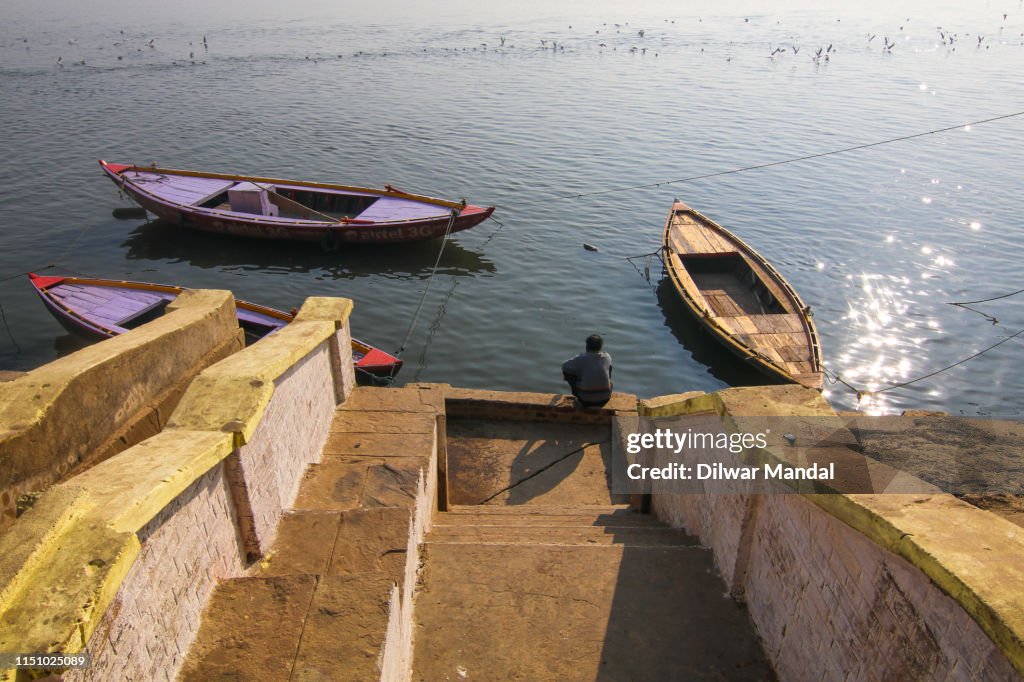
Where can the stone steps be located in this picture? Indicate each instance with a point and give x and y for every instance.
(528, 515)
(633, 537)
(560, 526)
(539, 510)
(574, 593)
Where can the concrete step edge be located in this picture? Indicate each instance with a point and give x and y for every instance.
(536, 508)
(581, 528)
(630, 545)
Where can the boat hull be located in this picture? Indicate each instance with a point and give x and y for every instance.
(371, 364)
(268, 227)
(778, 337)
(726, 340)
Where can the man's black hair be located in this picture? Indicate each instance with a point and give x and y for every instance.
(594, 343)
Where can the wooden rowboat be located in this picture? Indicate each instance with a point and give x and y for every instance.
(288, 209)
(102, 308)
(740, 298)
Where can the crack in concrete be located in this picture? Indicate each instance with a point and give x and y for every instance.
(543, 469)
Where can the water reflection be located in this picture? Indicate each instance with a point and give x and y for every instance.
(69, 343)
(163, 241)
(883, 344)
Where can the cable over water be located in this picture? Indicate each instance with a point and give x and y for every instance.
(786, 161)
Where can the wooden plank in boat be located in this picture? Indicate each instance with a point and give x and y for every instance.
(793, 354)
(777, 323)
(722, 304)
(697, 235)
(783, 323)
(684, 241)
(726, 324)
(763, 323)
(718, 243)
(797, 339)
(786, 340)
(684, 227)
(774, 355)
(744, 324)
(686, 282)
(679, 243)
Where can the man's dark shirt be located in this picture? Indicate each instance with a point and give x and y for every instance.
(590, 374)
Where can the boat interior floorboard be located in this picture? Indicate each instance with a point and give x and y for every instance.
(727, 295)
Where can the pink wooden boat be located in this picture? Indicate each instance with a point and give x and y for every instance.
(269, 208)
(103, 308)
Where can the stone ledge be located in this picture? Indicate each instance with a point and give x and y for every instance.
(523, 406)
(68, 556)
(29, 397)
(326, 309)
(73, 579)
(668, 405)
(60, 415)
(232, 395)
(23, 547)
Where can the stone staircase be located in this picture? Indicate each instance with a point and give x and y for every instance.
(574, 592)
(553, 526)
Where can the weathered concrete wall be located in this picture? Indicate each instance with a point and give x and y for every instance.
(829, 603)
(98, 401)
(136, 544)
(861, 587)
(190, 545)
(290, 436)
(396, 655)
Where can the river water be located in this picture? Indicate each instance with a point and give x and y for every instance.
(463, 99)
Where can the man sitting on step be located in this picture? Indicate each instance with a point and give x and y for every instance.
(590, 374)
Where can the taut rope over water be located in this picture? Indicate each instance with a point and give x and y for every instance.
(863, 393)
(433, 271)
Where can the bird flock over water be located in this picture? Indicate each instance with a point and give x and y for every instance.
(124, 46)
(606, 37)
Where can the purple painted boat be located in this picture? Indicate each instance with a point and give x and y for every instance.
(269, 208)
(104, 308)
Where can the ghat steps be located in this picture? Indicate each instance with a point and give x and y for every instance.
(562, 592)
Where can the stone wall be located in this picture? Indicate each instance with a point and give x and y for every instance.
(98, 401)
(129, 551)
(191, 544)
(289, 438)
(829, 603)
(860, 587)
(396, 655)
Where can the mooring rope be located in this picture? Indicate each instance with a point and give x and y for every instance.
(986, 300)
(782, 162)
(421, 363)
(863, 393)
(433, 271)
(3, 317)
(966, 305)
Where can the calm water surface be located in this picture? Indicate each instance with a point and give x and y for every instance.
(429, 99)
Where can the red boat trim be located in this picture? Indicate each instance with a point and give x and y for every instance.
(377, 358)
(43, 282)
